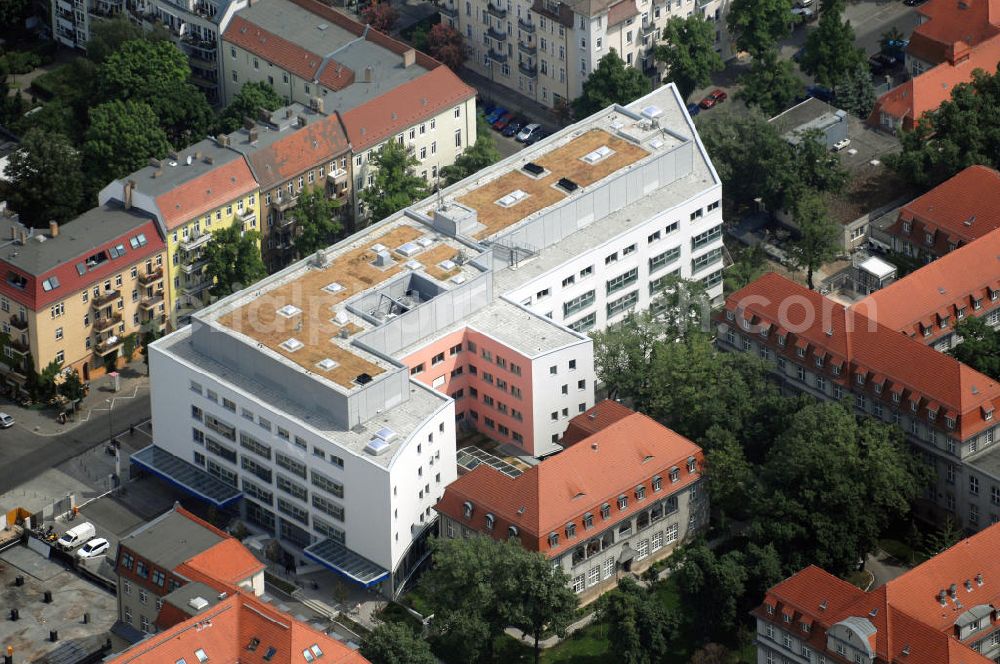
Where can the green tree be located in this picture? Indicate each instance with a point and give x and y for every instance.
(855, 91)
(640, 629)
(729, 477)
(45, 179)
(688, 51)
(711, 586)
(233, 260)
(395, 185)
(72, 386)
(980, 346)
(13, 13)
(395, 643)
(447, 45)
(122, 136)
(818, 237)
(622, 352)
(184, 115)
(47, 381)
(611, 82)
(481, 154)
(814, 169)
(771, 84)
(944, 537)
(476, 588)
(56, 117)
(247, 103)
(830, 51)
(831, 485)
(109, 35)
(748, 264)
(317, 221)
(758, 25)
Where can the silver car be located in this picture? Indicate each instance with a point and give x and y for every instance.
(6, 421)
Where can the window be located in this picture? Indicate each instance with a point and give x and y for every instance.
(622, 281)
(622, 502)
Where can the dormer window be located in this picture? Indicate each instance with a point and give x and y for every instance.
(906, 227)
(746, 324)
(943, 322)
(859, 378)
(836, 370)
(931, 415)
(786, 617)
(765, 331)
(896, 396)
(878, 388)
(987, 413)
(675, 474)
(692, 464)
(819, 361)
(588, 521)
(800, 351)
(553, 539)
(622, 502)
(977, 304)
(730, 315)
(570, 530)
(994, 295)
(770, 609)
(640, 492)
(805, 627)
(657, 483)
(605, 511)
(914, 405)
(960, 313)
(781, 340)
(490, 521)
(511, 532)
(929, 238)
(949, 422)
(926, 329)
(467, 509)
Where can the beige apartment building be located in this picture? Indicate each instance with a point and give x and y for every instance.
(81, 295)
(382, 88)
(546, 49)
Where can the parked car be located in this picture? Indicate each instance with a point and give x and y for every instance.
(6, 421)
(503, 121)
(95, 547)
(76, 536)
(495, 114)
(841, 144)
(512, 128)
(536, 136)
(820, 92)
(693, 109)
(714, 97)
(881, 63)
(804, 14)
(527, 132)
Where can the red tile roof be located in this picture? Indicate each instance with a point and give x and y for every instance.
(403, 106)
(563, 488)
(226, 631)
(319, 142)
(622, 11)
(947, 22)
(956, 212)
(190, 199)
(849, 339)
(228, 562)
(911, 624)
(277, 50)
(924, 93)
(602, 415)
(952, 282)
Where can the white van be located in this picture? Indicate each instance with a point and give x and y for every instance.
(76, 536)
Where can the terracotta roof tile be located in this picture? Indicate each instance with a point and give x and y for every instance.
(563, 488)
(316, 143)
(601, 415)
(277, 50)
(622, 11)
(403, 106)
(948, 21)
(207, 192)
(228, 561)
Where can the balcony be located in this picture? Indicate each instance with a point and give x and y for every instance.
(196, 288)
(497, 12)
(19, 346)
(531, 71)
(105, 298)
(195, 241)
(496, 56)
(194, 266)
(525, 26)
(338, 176)
(108, 346)
(283, 203)
(527, 49)
(248, 215)
(150, 278)
(496, 34)
(19, 323)
(151, 301)
(106, 322)
(450, 12)
(286, 221)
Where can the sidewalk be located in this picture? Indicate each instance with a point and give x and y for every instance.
(133, 383)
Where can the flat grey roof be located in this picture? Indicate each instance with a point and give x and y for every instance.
(180, 597)
(175, 172)
(80, 237)
(809, 114)
(404, 418)
(170, 539)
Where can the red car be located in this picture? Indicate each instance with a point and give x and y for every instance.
(713, 98)
(503, 121)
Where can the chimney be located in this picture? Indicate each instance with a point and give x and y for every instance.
(13, 233)
(53, 228)
(127, 191)
(22, 237)
(173, 155)
(316, 104)
(209, 159)
(952, 590)
(409, 58)
(223, 140)
(979, 579)
(248, 123)
(369, 75)
(253, 135)
(288, 113)
(157, 174)
(154, 162)
(301, 119)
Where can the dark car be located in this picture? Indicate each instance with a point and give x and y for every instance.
(512, 128)
(714, 97)
(881, 63)
(693, 109)
(503, 121)
(536, 136)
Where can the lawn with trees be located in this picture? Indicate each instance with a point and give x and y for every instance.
(611, 82)
(688, 52)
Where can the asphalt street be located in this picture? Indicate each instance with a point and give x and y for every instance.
(24, 455)
(871, 19)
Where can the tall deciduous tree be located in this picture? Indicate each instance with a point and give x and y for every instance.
(233, 260)
(541, 600)
(482, 153)
(830, 52)
(122, 136)
(758, 25)
(45, 178)
(447, 45)
(688, 51)
(317, 221)
(640, 629)
(980, 347)
(395, 643)
(395, 185)
(380, 15)
(771, 84)
(611, 82)
(248, 103)
(109, 35)
(712, 586)
(818, 235)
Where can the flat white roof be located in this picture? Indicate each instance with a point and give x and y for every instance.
(878, 267)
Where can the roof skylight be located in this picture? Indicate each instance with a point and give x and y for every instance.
(513, 198)
(326, 364)
(289, 310)
(291, 344)
(333, 288)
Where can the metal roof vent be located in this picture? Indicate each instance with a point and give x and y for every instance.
(197, 603)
